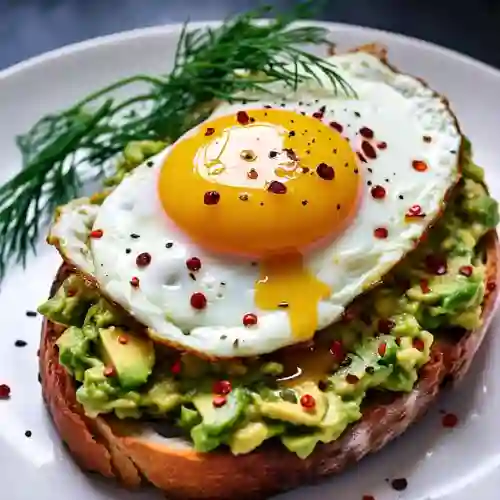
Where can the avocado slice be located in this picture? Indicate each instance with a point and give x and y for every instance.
(215, 421)
(295, 413)
(133, 357)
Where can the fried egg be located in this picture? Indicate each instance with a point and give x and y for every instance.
(257, 227)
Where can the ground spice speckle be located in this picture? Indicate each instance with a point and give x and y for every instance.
(20, 343)
(399, 484)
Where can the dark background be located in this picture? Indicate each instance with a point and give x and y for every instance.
(29, 27)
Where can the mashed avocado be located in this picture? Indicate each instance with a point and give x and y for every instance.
(382, 342)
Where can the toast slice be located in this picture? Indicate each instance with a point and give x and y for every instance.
(135, 454)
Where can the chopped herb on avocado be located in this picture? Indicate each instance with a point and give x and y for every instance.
(120, 372)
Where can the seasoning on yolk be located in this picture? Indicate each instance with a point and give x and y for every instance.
(201, 171)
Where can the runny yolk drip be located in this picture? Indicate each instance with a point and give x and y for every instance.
(285, 283)
(268, 184)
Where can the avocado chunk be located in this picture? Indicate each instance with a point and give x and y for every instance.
(217, 420)
(295, 413)
(70, 303)
(163, 397)
(248, 437)
(74, 352)
(133, 357)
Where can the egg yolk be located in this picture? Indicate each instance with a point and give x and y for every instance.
(269, 184)
(259, 182)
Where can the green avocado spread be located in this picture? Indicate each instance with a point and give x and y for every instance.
(300, 396)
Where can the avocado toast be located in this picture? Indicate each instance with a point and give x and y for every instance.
(138, 411)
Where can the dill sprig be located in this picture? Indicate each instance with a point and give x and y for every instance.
(61, 150)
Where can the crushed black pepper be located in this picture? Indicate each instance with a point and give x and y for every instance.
(223, 337)
(169, 245)
(236, 343)
(128, 250)
(31, 314)
(135, 236)
(283, 305)
(401, 197)
(150, 163)
(20, 343)
(291, 133)
(304, 202)
(399, 484)
(273, 154)
(28, 434)
(192, 276)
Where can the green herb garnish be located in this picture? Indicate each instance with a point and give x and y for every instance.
(66, 148)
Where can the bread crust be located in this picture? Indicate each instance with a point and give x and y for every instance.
(106, 446)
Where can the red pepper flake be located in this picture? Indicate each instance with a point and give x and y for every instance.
(320, 113)
(123, 339)
(368, 150)
(209, 131)
(465, 271)
(176, 367)
(378, 192)
(219, 401)
(96, 234)
(415, 211)
(249, 319)
(436, 264)
(211, 198)
(307, 401)
(368, 497)
(361, 157)
(325, 172)
(276, 187)
(71, 292)
(366, 132)
(193, 264)
(337, 350)
(337, 126)
(109, 371)
(242, 118)
(382, 145)
(135, 282)
(252, 174)
(490, 286)
(449, 420)
(4, 391)
(381, 233)
(222, 387)
(398, 341)
(351, 378)
(418, 344)
(424, 285)
(419, 165)
(198, 300)
(427, 138)
(385, 325)
(143, 259)
(382, 348)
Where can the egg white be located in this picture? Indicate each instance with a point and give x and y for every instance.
(398, 108)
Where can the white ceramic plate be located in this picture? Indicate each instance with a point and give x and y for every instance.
(458, 464)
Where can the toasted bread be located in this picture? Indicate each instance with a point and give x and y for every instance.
(135, 455)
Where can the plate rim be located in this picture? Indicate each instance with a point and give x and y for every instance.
(170, 28)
